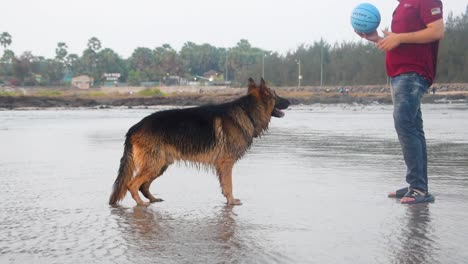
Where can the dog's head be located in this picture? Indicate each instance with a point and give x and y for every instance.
(268, 97)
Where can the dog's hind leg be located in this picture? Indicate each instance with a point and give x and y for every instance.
(135, 184)
(144, 189)
(145, 175)
(224, 172)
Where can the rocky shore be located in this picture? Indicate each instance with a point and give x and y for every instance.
(106, 97)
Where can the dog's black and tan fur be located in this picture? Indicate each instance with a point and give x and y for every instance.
(213, 135)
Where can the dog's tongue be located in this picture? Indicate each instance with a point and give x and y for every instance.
(278, 112)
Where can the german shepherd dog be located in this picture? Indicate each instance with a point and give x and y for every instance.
(213, 136)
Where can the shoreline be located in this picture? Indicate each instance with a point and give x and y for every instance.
(131, 97)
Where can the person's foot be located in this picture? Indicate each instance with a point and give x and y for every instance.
(414, 196)
(398, 193)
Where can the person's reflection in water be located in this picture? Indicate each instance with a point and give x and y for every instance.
(417, 244)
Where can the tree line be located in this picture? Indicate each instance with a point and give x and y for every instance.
(347, 63)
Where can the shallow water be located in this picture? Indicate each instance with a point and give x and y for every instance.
(314, 191)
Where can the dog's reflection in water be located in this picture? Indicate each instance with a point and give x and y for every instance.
(149, 233)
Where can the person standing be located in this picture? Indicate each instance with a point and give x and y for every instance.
(411, 49)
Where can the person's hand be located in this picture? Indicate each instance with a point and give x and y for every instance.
(373, 36)
(390, 41)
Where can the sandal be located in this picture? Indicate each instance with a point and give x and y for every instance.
(418, 197)
(399, 193)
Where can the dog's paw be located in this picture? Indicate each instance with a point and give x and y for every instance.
(156, 200)
(234, 202)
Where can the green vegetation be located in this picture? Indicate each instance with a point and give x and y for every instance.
(49, 93)
(348, 63)
(151, 92)
(5, 93)
(96, 94)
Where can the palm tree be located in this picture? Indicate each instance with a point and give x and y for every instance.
(94, 44)
(5, 39)
(61, 51)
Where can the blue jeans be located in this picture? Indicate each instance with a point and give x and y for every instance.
(407, 91)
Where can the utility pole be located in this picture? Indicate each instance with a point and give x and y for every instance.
(263, 62)
(299, 76)
(226, 71)
(263, 65)
(321, 65)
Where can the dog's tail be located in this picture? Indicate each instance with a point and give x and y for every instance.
(125, 174)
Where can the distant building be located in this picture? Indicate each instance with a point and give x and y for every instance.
(215, 78)
(82, 82)
(211, 75)
(174, 80)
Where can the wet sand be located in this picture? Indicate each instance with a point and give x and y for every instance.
(314, 191)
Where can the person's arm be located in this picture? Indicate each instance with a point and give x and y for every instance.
(433, 32)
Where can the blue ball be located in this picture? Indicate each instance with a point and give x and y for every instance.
(365, 18)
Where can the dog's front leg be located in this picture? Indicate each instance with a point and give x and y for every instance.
(224, 171)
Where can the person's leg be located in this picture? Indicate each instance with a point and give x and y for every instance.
(422, 139)
(407, 91)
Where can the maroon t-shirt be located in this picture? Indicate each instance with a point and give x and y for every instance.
(411, 16)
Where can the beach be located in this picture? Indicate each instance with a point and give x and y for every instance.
(105, 97)
(313, 190)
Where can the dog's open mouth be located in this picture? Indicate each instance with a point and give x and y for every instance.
(277, 112)
(280, 104)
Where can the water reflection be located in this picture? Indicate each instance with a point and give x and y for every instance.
(416, 239)
(153, 234)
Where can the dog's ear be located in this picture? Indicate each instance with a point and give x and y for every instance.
(252, 85)
(262, 84)
(263, 88)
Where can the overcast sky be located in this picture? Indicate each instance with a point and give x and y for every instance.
(123, 25)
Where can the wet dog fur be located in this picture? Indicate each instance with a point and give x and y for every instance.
(215, 136)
